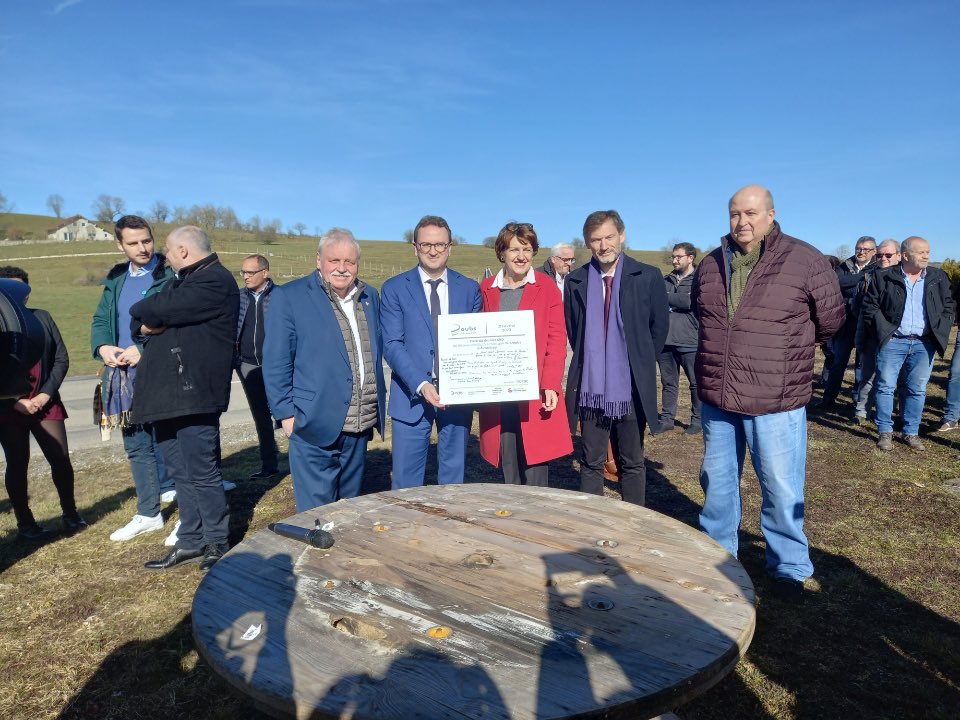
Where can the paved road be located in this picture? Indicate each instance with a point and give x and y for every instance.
(77, 395)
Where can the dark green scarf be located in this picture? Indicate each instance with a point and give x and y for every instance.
(741, 265)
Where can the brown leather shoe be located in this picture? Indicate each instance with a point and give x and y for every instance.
(885, 442)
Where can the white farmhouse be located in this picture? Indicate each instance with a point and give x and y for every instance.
(77, 228)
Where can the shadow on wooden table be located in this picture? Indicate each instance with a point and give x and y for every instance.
(856, 648)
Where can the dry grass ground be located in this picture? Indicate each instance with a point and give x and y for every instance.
(88, 634)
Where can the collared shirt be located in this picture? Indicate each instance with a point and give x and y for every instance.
(441, 290)
(348, 305)
(559, 280)
(134, 271)
(914, 321)
(498, 280)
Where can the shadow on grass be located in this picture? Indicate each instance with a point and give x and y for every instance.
(13, 550)
(856, 648)
(244, 498)
(148, 679)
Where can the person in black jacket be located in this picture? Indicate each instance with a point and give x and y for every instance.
(248, 358)
(39, 413)
(616, 314)
(909, 311)
(850, 276)
(680, 350)
(189, 329)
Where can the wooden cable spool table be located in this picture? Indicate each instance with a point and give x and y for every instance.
(476, 601)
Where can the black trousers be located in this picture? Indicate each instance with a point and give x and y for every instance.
(191, 453)
(51, 436)
(513, 460)
(626, 435)
(670, 361)
(251, 378)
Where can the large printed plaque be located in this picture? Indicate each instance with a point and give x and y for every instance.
(487, 357)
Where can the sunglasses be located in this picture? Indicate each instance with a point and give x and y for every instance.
(886, 256)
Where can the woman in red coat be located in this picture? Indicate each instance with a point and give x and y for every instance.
(523, 436)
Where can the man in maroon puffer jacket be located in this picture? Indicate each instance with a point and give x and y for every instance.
(765, 301)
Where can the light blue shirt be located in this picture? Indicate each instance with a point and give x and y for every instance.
(145, 270)
(914, 320)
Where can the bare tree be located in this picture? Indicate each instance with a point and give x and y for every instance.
(108, 207)
(5, 205)
(299, 228)
(490, 241)
(55, 203)
(408, 236)
(457, 240)
(577, 243)
(159, 211)
(842, 252)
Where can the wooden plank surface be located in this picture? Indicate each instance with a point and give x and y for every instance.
(476, 601)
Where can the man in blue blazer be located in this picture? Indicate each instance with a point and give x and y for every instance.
(323, 372)
(412, 301)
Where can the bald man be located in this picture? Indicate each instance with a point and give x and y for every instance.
(188, 331)
(765, 301)
(908, 309)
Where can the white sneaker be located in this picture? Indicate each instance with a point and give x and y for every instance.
(172, 537)
(168, 497)
(139, 525)
(228, 486)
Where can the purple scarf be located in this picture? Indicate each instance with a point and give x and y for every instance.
(605, 387)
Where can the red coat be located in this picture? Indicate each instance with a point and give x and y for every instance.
(545, 435)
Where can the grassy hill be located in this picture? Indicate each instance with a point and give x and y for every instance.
(65, 277)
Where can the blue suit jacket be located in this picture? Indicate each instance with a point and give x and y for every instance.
(408, 335)
(306, 369)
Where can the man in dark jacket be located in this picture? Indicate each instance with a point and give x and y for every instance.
(850, 276)
(248, 359)
(765, 301)
(616, 313)
(189, 329)
(559, 264)
(143, 274)
(680, 349)
(909, 310)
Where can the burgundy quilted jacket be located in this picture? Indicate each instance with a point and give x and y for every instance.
(762, 361)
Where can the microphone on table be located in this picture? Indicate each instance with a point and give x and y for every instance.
(318, 537)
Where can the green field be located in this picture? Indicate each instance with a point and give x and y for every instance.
(65, 277)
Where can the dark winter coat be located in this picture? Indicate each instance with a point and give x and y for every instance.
(684, 328)
(186, 369)
(761, 362)
(886, 298)
(643, 305)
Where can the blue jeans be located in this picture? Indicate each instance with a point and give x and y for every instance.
(778, 451)
(141, 449)
(951, 410)
(915, 356)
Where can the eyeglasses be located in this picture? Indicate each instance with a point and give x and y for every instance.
(678, 257)
(860, 250)
(569, 261)
(249, 273)
(886, 256)
(427, 247)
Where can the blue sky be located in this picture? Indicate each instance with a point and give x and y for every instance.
(370, 114)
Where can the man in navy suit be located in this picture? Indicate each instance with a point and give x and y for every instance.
(412, 301)
(323, 372)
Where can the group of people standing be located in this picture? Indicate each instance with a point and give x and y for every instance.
(900, 311)
(743, 325)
